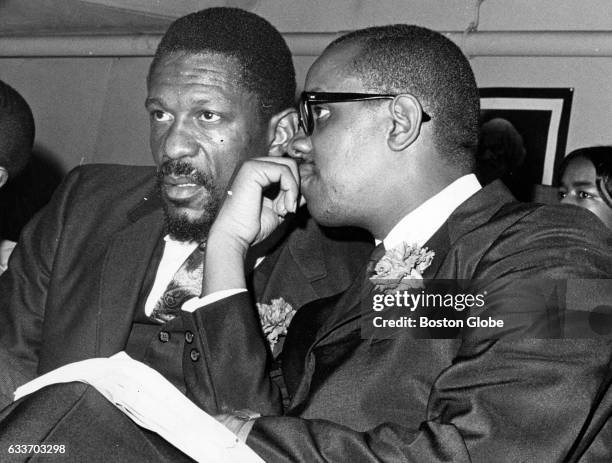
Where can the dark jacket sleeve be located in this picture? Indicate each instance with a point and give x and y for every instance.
(509, 402)
(232, 371)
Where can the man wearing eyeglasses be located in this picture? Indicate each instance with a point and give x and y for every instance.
(389, 131)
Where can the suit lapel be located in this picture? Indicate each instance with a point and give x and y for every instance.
(294, 270)
(348, 307)
(125, 265)
(360, 289)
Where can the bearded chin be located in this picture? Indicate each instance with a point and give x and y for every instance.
(181, 227)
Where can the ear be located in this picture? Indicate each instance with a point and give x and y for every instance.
(407, 116)
(603, 185)
(281, 130)
(3, 176)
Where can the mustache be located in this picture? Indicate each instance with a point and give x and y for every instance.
(178, 168)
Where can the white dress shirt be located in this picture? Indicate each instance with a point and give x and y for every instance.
(420, 225)
(175, 253)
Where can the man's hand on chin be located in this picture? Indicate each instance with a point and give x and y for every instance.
(247, 217)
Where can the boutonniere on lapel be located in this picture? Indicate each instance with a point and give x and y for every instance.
(275, 319)
(401, 268)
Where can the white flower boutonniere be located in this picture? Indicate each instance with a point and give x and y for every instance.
(275, 318)
(400, 265)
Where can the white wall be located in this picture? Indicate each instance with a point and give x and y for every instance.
(91, 109)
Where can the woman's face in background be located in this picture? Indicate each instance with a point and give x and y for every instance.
(578, 187)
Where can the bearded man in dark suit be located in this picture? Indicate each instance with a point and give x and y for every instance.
(91, 270)
(390, 126)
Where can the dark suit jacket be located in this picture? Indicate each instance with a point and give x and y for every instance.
(478, 397)
(74, 279)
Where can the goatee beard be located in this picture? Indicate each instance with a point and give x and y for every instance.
(179, 225)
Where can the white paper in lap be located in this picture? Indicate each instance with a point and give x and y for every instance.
(136, 389)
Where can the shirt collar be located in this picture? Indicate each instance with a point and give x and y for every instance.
(421, 224)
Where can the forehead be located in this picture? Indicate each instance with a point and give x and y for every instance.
(211, 72)
(579, 170)
(332, 72)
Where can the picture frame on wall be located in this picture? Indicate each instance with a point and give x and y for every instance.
(523, 137)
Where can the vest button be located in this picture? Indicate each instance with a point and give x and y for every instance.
(164, 336)
(188, 337)
(194, 354)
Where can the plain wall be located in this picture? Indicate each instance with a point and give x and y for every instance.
(91, 109)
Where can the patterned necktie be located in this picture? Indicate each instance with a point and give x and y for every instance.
(186, 283)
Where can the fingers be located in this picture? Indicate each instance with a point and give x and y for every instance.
(297, 200)
(287, 199)
(260, 173)
(291, 164)
(247, 215)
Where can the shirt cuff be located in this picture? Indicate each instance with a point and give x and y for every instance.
(245, 429)
(195, 303)
(239, 422)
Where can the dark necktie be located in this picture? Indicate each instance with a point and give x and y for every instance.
(377, 254)
(368, 286)
(186, 283)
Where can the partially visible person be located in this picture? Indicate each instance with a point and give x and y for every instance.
(500, 155)
(586, 181)
(16, 140)
(26, 193)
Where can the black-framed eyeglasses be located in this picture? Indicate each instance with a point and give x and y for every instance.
(307, 99)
